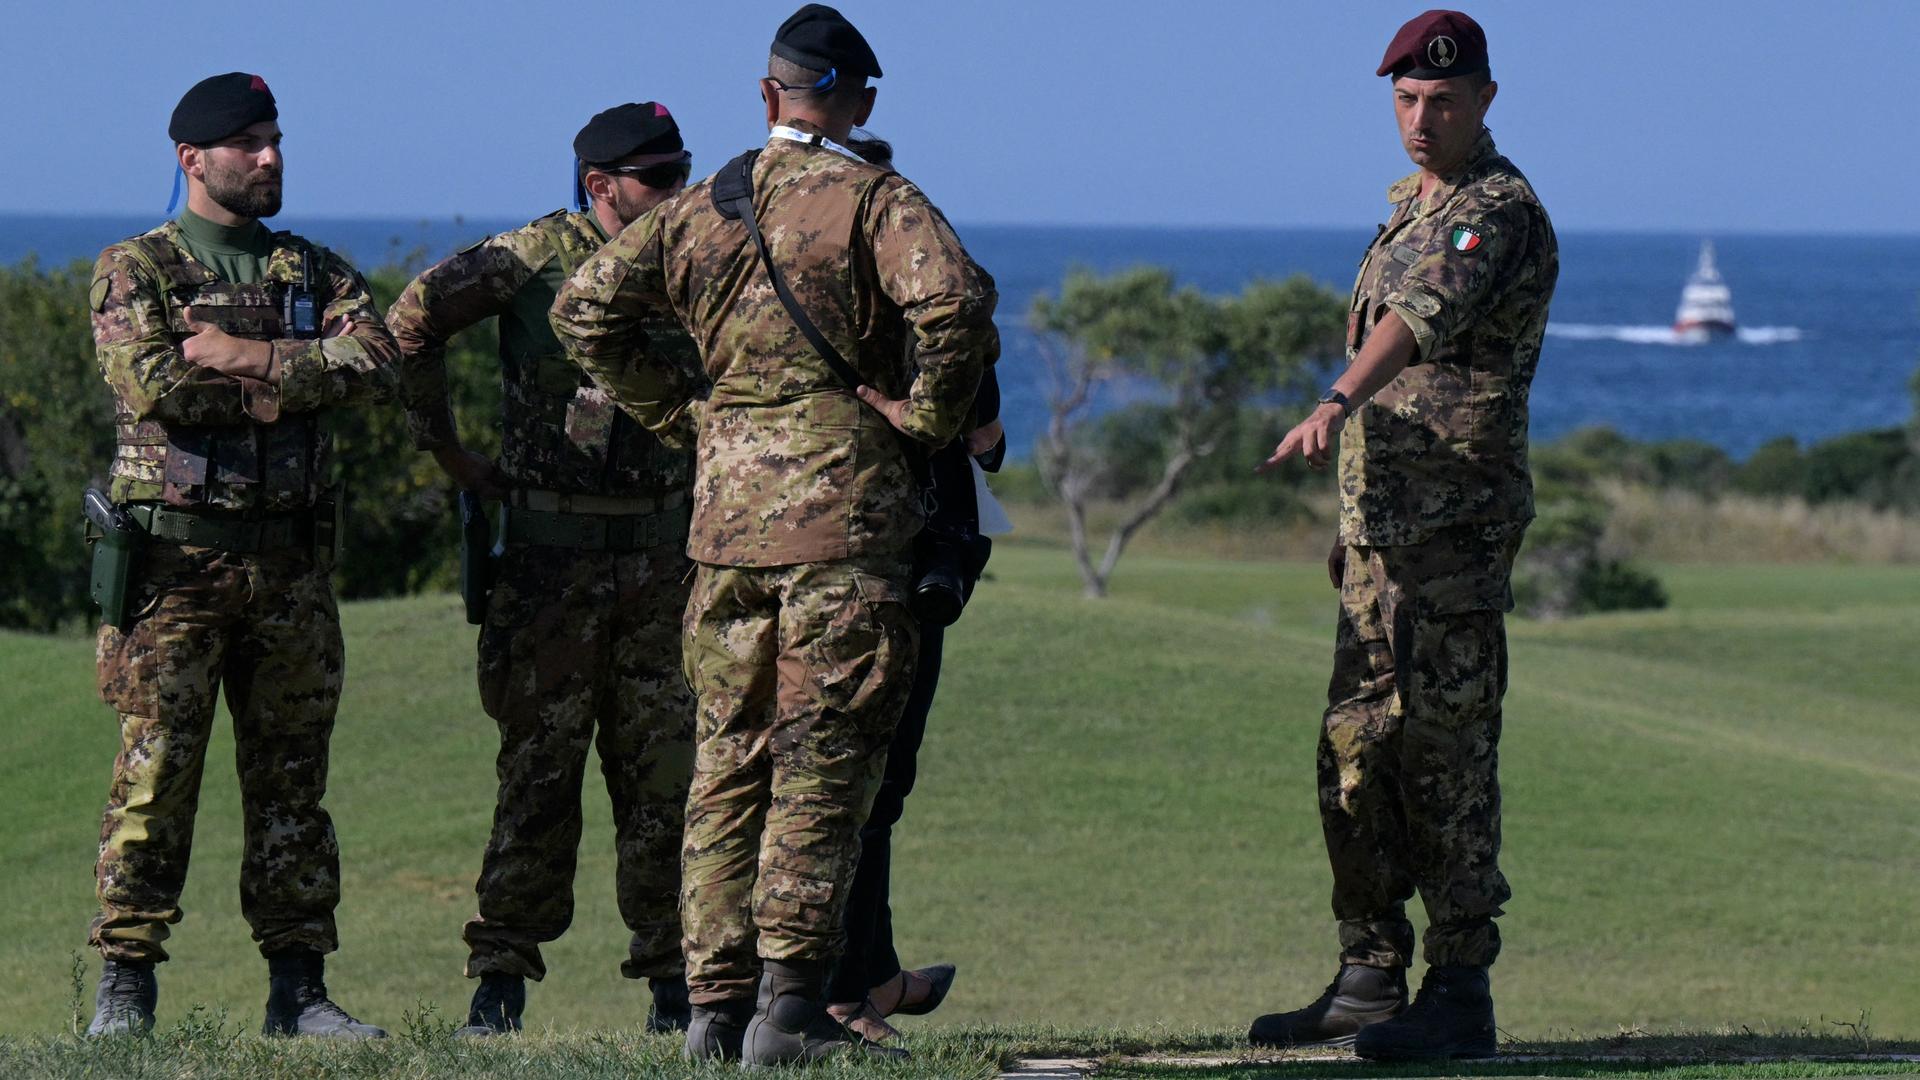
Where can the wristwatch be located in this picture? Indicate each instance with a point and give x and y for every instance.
(1335, 397)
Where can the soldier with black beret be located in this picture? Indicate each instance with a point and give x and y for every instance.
(1443, 337)
(798, 639)
(580, 640)
(226, 346)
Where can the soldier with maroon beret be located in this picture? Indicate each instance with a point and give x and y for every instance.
(1443, 337)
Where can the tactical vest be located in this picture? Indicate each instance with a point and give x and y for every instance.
(561, 432)
(248, 465)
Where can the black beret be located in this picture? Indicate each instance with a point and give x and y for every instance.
(644, 127)
(220, 106)
(1436, 45)
(821, 38)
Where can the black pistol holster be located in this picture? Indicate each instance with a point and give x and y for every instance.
(477, 555)
(117, 541)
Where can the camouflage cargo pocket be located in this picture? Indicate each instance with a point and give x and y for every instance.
(864, 657)
(1456, 671)
(794, 904)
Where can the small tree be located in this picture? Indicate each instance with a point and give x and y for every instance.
(1206, 356)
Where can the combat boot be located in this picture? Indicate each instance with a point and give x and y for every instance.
(670, 1011)
(297, 1002)
(1452, 1017)
(790, 1024)
(715, 1032)
(1358, 996)
(124, 1003)
(497, 1004)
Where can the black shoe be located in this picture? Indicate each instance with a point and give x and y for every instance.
(790, 1023)
(1357, 996)
(715, 1032)
(941, 976)
(497, 1004)
(124, 1003)
(297, 1001)
(1451, 1018)
(670, 1011)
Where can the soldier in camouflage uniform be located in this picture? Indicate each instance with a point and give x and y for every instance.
(581, 640)
(1443, 337)
(224, 377)
(798, 641)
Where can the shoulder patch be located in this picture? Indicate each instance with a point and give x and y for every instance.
(1466, 238)
(97, 296)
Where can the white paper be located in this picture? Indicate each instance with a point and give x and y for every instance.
(993, 517)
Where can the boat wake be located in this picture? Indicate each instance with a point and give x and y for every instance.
(1667, 335)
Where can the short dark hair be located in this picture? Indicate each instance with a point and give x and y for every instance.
(844, 91)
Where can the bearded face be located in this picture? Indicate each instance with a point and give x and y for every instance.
(241, 185)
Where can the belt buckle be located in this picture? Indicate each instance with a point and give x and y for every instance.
(594, 532)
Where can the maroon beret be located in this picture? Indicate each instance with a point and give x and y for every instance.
(1436, 45)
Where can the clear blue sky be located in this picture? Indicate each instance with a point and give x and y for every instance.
(1675, 115)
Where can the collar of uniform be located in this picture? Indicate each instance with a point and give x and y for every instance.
(252, 238)
(1408, 187)
(807, 134)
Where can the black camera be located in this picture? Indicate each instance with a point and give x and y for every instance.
(943, 573)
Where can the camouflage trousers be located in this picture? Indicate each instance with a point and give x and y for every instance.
(1409, 747)
(263, 628)
(581, 649)
(802, 673)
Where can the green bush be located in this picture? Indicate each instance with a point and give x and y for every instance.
(1563, 571)
(56, 437)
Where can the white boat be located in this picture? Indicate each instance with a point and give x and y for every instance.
(1706, 304)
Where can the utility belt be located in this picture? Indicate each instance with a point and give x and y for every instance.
(316, 527)
(119, 535)
(560, 519)
(594, 522)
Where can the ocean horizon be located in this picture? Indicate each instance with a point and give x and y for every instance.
(1830, 322)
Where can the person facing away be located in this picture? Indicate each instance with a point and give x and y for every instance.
(798, 641)
(580, 641)
(870, 984)
(1443, 338)
(226, 346)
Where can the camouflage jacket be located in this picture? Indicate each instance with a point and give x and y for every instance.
(1471, 270)
(196, 437)
(560, 431)
(792, 467)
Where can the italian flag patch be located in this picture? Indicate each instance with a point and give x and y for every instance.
(1465, 239)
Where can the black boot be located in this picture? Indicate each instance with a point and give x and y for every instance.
(670, 1011)
(715, 1032)
(297, 1002)
(497, 1004)
(790, 1022)
(124, 1003)
(1357, 996)
(1451, 1018)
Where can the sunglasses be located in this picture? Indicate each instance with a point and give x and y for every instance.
(660, 177)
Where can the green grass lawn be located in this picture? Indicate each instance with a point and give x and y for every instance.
(1713, 816)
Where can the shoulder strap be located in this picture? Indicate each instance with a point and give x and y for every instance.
(734, 185)
(732, 194)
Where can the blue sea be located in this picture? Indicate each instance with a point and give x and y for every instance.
(1830, 324)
